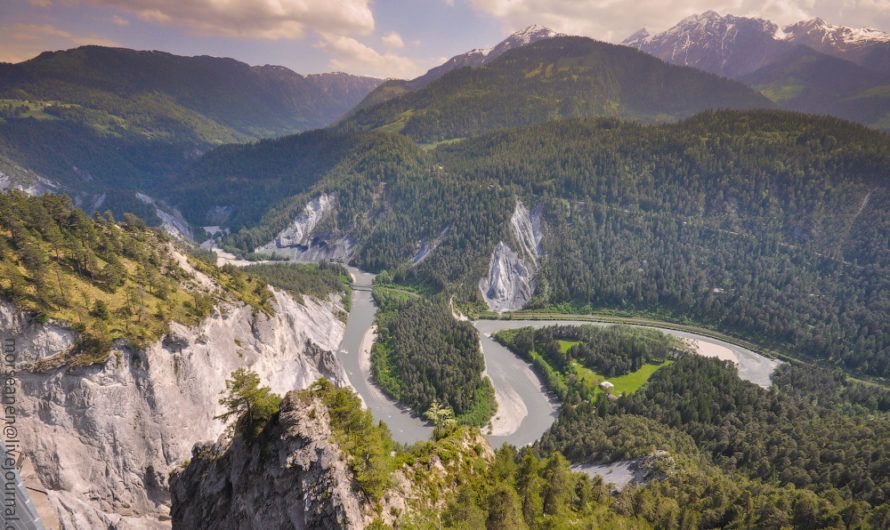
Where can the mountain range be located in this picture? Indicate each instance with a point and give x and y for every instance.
(549, 177)
(473, 59)
(555, 77)
(734, 46)
(104, 123)
(811, 66)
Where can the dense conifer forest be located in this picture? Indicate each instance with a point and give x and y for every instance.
(423, 355)
(765, 225)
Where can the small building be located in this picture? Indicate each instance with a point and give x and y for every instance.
(607, 387)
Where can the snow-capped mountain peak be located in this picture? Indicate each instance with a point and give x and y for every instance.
(639, 37)
(523, 37)
(711, 42)
(733, 46)
(828, 34)
(531, 34)
(482, 56)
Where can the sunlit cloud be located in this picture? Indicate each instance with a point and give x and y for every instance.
(21, 41)
(614, 19)
(352, 56)
(393, 40)
(264, 19)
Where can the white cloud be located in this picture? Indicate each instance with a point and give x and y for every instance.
(41, 3)
(355, 57)
(266, 19)
(120, 21)
(393, 40)
(24, 41)
(616, 19)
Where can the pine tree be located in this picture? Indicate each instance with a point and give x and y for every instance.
(248, 403)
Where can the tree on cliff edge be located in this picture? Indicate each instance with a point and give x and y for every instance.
(250, 404)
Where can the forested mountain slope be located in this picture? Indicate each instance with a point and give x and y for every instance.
(764, 224)
(552, 78)
(97, 120)
(247, 186)
(110, 281)
(808, 81)
(471, 59)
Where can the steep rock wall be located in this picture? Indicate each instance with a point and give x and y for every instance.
(104, 437)
(527, 230)
(299, 241)
(293, 478)
(510, 282)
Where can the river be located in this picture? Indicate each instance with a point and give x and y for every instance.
(531, 409)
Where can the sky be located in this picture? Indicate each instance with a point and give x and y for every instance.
(381, 38)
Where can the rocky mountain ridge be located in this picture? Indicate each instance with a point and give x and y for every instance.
(472, 59)
(734, 46)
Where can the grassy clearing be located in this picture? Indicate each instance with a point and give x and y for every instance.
(564, 345)
(625, 384)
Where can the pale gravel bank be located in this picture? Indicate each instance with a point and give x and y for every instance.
(511, 411)
(364, 360)
(709, 349)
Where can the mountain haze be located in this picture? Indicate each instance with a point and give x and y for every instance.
(808, 81)
(553, 78)
(94, 121)
(733, 46)
(473, 59)
(811, 66)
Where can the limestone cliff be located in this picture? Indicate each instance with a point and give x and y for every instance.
(293, 477)
(300, 242)
(510, 282)
(296, 476)
(104, 437)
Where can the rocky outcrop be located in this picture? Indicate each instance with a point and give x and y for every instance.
(318, 248)
(172, 220)
(425, 247)
(298, 232)
(293, 477)
(527, 230)
(510, 282)
(637, 472)
(299, 242)
(104, 437)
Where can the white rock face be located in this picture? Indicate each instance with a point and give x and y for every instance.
(510, 283)
(527, 229)
(298, 232)
(103, 438)
(172, 220)
(298, 241)
(424, 247)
